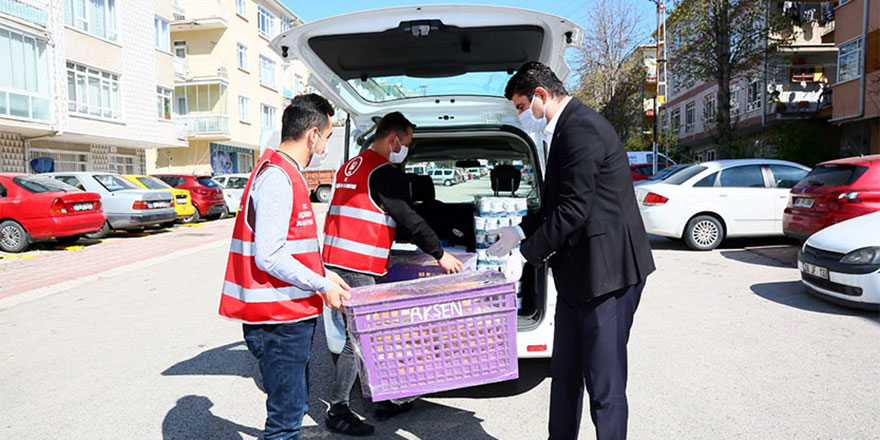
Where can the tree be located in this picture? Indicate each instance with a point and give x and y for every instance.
(611, 80)
(718, 39)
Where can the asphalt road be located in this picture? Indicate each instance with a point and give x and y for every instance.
(726, 344)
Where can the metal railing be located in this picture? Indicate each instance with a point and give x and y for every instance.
(192, 125)
(24, 11)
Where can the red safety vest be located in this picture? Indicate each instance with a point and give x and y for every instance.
(253, 296)
(358, 234)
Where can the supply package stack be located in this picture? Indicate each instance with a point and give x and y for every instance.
(410, 265)
(493, 213)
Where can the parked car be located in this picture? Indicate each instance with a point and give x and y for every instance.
(320, 184)
(36, 208)
(464, 87)
(207, 196)
(182, 200)
(445, 176)
(474, 173)
(663, 174)
(833, 192)
(706, 203)
(126, 206)
(233, 188)
(647, 157)
(416, 169)
(841, 263)
(643, 171)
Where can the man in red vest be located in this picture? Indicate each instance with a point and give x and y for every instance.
(370, 201)
(275, 281)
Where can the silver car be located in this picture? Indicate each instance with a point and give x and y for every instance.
(125, 205)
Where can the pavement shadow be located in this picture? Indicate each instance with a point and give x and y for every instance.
(228, 360)
(752, 257)
(532, 372)
(794, 294)
(192, 419)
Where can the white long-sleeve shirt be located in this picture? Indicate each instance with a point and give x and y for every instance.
(272, 198)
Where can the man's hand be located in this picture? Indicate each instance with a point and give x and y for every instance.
(339, 291)
(514, 269)
(507, 239)
(449, 263)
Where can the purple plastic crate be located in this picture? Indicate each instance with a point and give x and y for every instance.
(435, 334)
(410, 265)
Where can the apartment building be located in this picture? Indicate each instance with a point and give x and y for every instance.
(794, 85)
(229, 86)
(857, 91)
(81, 83)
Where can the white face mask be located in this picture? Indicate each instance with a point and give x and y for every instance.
(318, 159)
(529, 122)
(398, 157)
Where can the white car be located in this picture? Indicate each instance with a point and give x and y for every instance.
(445, 68)
(841, 263)
(706, 203)
(233, 188)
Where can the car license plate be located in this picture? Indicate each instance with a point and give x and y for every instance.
(83, 206)
(815, 271)
(803, 202)
(158, 205)
(181, 200)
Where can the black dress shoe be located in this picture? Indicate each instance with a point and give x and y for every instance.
(387, 410)
(340, 419)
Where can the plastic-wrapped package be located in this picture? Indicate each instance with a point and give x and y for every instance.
(410, 265)
(434, 334)
(491, 213)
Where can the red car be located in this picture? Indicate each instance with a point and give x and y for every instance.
(834, 191)
(644, 170)
(40, 208)
(207, 196)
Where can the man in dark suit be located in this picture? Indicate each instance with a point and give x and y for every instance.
(590, 231)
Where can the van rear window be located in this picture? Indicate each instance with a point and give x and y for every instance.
(833, 175)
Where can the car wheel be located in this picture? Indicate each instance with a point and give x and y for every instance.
(13, 237)
(194, 218)
(323, 194)
(100, 233)
(704, 233)
(68, 240)
(447, 183)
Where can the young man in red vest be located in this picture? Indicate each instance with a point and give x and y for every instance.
(370, 201)
(275, 281)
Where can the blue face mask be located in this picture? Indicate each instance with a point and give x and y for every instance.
(530, 122)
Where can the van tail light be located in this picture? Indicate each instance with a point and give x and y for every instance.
(536, 348)
(58, 207)
(653, 199)
(140, 204)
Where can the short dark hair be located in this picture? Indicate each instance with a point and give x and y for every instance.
(529, 77)
(304, 113)
(395, 123)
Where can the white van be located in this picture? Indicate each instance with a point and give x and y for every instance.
(445, 68)
(640, 157)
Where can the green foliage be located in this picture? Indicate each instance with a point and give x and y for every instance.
(806, 142)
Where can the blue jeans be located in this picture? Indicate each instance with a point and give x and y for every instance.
(283, 352)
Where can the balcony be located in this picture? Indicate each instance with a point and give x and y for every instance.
(798, 103)
(24, 11)
(180, 68)
(200, 15)
(179, 9)
(203, 126)
(201, 68)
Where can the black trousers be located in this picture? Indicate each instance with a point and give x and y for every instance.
(589, 350)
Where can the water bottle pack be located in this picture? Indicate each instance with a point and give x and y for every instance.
(493, 213)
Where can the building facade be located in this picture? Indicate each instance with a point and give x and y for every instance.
(794, 85)
(81, 84)
(857, 91)
(229, 86)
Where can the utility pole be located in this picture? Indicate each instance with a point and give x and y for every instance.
(660, 39)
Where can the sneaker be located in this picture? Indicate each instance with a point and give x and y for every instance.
(343, 421)
(387, 410)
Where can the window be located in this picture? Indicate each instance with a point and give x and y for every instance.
(834, 175)
(242, 56)
(245, 165)
(113, 183)
(163, 102)
(676, 120)
(710, 155)
(92, 92)
(267, 72)
(754, 102)
(266, 23)
(72, 181)
(152, 183)
(241, 7)
(843, 2)
(124, 164)
(709, 107)
(238, 182)
(244, 110)
(41, 184)
(707, 182)
(734, 100)
(787, 177)
(749, 176)
(24, 77)
(180, 49)
(97, 17)
(849, 61)
(267, 117)
(163, 38)
(64, 160)
(285, 25)
(685, 175)
(690, 117)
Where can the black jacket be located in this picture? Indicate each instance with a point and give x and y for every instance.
(589, 226)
